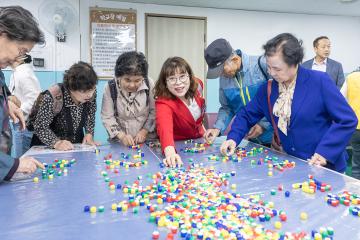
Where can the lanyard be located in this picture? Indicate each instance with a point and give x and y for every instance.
(242, 91)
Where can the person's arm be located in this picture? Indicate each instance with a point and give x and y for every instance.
(16, 114)
(225, 114)
(90, 122)
(43, 120)
(149, 124)
(30, 88)
(248, 116)
(264, 77)
(15, 100)
(8, 166)
(344, 122)
(264, 123)
(164, 124)
(108, 115)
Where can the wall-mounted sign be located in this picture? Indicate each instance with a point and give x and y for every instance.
(112, 32)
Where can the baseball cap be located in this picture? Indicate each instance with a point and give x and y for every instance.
(215, 56)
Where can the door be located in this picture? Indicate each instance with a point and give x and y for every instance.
(168, 36)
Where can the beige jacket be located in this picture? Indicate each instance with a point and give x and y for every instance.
(133, 112)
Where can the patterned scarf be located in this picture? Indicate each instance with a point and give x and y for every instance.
(282, 106)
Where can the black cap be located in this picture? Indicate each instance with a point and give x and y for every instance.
(215, 56)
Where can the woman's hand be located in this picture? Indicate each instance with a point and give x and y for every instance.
(16, 114)
(29, 165)
(127, 140)
(211, 134)
(172, 159)
(228, 147)
(141, 136)
(317, 160)
(88, 139)
(255, 131)
(63, 145)
(15, 100)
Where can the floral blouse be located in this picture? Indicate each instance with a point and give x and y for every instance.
(50, 128)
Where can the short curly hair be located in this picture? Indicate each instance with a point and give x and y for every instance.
(80, 77)
(131, 63)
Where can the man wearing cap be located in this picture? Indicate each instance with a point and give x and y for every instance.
(240, 76)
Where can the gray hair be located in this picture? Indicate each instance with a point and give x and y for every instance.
(20, 25)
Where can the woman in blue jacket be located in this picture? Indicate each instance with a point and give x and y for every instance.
(311, 118)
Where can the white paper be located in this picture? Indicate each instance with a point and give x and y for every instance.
(78, 147)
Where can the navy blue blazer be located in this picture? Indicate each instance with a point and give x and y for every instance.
(333, 68)
(321, 120)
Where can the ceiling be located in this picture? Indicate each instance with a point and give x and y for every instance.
(326, 7)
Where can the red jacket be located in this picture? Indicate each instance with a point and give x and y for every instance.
(175, 122)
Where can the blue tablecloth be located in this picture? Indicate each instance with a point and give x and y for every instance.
(53, 209)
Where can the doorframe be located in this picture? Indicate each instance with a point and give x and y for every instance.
(181, 17)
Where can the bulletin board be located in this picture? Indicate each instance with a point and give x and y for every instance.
(112, 32)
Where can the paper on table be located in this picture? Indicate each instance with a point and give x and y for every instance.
(21, 176)
(78, 147)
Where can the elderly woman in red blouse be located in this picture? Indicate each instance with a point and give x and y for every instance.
(179, 107)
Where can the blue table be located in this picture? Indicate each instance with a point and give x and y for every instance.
(53, 209)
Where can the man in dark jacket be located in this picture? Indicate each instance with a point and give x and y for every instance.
(322, 62)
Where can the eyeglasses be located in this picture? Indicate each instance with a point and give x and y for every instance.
(182, 78)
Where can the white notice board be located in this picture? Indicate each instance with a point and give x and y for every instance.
(112, 32)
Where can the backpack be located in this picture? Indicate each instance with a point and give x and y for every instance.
(113, 93)
(56, 92)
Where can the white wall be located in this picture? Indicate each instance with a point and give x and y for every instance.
(248, 30)
(58, 56)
